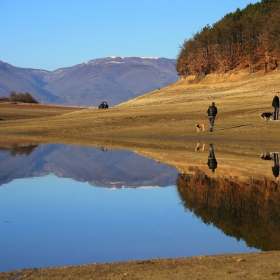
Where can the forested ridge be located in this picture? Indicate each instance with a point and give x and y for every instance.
(246, 39)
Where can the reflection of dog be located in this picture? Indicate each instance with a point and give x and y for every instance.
(266, 156)
(200, 126)
(267, 116)
(198, 148)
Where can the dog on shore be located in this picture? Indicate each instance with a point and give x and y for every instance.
(267, 116)
(200, 126)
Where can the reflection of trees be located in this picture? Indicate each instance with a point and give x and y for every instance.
(248, 210)
(19, 150)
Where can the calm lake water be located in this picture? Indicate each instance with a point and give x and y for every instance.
(67, 205)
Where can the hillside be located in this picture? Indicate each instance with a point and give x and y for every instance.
(171, 113)
(246, 39)
(114, 79)
(235, 86)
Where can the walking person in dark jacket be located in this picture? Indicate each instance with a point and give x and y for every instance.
(212, 112)
(275, 104)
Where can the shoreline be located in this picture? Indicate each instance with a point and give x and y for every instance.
(263, 265)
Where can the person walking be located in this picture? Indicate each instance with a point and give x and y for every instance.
(212, 112)
(275, 104)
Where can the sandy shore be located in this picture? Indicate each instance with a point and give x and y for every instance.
(231, 266)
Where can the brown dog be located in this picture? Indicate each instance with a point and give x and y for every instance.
(200, 126)
(199, 148)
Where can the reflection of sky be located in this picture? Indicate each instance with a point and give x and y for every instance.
(50, 221)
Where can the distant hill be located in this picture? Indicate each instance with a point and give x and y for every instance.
(114, 79)
(24, 80)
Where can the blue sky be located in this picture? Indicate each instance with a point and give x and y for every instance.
(51, 34)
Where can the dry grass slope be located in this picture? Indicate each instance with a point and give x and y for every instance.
(171, 113)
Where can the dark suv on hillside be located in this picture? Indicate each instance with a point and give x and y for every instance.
(103, 105)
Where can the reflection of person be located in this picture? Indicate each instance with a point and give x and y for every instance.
(275, 168)
(275, 104)
(212, 162)
(212, 112)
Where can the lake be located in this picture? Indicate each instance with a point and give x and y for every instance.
(64, 205)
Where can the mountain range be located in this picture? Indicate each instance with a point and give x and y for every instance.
(112, 79)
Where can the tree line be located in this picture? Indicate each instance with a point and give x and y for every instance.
(248, 38)
(19, 97)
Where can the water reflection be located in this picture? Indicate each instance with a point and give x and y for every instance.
(212, 162)
(97, 166)
(245, 209)
(275, 168)
(266, 156)
(199, 147)
(52, 215)
(272, 156)
(19, 149)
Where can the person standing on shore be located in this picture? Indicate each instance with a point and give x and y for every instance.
(212, 112)
(275, 104)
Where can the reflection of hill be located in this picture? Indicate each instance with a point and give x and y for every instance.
(19, 150)
(22, 165)
(248, 209)
(111, 168)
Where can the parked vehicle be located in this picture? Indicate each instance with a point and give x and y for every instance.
(103, 105)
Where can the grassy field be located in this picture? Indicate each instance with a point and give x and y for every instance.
(169, 114)
(15, 110)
